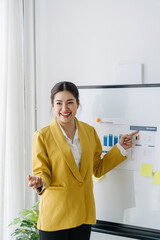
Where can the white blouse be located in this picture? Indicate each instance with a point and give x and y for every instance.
(75, 146)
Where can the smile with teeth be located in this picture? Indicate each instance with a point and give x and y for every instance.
(65, 114)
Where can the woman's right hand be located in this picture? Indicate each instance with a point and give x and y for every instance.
(35, 182)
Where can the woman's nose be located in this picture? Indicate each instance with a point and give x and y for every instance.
(64, 107)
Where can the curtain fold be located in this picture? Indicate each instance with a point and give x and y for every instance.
(12, 134)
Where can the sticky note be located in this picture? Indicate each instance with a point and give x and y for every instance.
(156, 178)
(146, 170)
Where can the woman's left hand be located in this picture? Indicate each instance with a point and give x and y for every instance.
(126, 140)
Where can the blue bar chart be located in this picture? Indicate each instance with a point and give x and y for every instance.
(110, 140)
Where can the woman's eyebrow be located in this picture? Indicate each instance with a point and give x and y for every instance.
(72, 99)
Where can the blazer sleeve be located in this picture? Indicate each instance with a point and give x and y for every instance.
(40, 161)
(109, 160)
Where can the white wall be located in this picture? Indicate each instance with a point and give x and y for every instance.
(83, 40)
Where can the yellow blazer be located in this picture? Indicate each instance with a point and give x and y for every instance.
(68, 200)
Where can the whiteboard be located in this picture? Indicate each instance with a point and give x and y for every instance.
(123, 195)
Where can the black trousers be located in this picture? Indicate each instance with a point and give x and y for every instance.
(82, 232)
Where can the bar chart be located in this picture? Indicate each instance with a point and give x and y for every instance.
(110, 140)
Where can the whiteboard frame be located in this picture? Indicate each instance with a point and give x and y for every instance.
(119, 86)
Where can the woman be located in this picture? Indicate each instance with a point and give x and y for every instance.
(66, 154)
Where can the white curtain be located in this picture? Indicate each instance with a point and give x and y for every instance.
(11, 114)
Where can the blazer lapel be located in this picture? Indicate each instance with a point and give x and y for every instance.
(65, 149)
(84, 147)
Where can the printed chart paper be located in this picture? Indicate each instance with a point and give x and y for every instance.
(146, 144)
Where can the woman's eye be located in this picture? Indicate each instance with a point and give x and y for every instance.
(70, 102)
(58, 103)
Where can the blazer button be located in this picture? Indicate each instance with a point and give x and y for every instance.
(80, 183)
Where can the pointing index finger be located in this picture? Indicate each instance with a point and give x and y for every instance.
(133, 133)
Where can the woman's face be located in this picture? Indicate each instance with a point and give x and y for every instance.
(65, 107)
